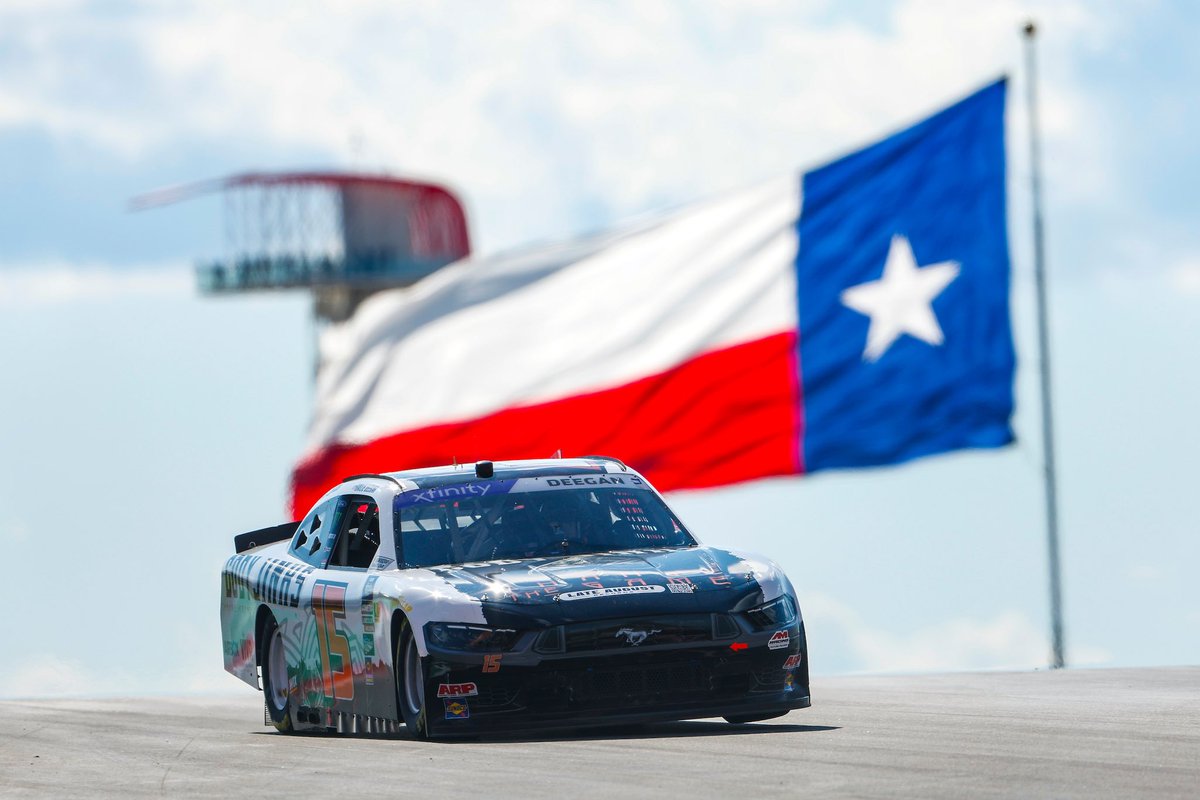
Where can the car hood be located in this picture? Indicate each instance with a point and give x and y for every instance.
(593, 585)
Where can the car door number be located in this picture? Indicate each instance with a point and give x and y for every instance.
(337, 671)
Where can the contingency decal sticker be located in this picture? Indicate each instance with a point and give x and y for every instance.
(588, 594)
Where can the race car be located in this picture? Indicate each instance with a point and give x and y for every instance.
(506, 596)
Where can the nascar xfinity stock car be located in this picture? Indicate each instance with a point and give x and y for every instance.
(522, 595)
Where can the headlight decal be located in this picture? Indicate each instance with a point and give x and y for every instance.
(773, 614)
(469, 638)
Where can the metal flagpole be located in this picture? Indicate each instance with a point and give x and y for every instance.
(1039, 256)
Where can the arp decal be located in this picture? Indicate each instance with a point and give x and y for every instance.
(609, 591)
(792, 662)
(779, 640)
(457, 709)
(491, 662)
(457, 690)
(337, 673)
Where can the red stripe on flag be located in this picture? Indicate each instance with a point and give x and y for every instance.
(727, 416)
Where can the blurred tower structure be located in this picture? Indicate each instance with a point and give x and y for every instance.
(341, 236)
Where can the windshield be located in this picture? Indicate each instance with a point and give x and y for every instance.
(531, 517)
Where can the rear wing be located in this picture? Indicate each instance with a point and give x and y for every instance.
(248, 541)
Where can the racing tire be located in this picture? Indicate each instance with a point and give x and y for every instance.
(274, 678)
(742, 719)
(410, 684)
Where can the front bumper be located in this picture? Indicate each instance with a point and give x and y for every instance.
(529, 691)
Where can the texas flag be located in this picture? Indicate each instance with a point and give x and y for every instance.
(854, 316)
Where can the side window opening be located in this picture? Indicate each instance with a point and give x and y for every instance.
(313, 539)
(358, 539)
(314, 535)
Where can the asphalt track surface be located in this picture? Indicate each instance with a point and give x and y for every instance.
(1077, 733)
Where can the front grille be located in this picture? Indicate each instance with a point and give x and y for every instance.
(637, 686)
(493, 695)
(647, 679)
(638, 632)
(769, 680)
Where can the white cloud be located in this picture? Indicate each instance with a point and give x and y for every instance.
(13, 531)
(1145, 573)
(1184, 276)
(62, 284)
(51, 676)
(45, 675)
(1007, 641)
(533, 107)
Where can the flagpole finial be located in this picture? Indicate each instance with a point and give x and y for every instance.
(1030, 29)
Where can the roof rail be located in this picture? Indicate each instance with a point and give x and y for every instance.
(369, 475)
(609, 458)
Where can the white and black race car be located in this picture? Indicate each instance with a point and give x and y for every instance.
(520, 595)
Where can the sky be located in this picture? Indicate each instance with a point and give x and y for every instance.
(142, 425)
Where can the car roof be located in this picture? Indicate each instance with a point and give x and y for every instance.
(506, 470)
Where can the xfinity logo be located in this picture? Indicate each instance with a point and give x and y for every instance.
(445, 492)
(609, 591)
(634, 638)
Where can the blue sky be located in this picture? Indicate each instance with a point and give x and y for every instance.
(143, 426)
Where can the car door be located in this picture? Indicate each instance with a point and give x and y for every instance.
(348, 660)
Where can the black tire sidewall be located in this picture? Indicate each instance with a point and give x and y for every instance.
(281, 717)
(417, 725)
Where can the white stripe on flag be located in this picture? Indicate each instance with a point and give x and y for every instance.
(554, 321)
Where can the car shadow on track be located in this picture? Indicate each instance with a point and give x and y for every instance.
(656, 730)
(659, 730)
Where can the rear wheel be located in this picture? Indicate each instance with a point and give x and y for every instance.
(741, 719)
(275, 679)
(410, 684)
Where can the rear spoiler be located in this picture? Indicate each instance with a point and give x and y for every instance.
(247, 541)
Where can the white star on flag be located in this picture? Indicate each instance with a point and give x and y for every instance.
(902, 300)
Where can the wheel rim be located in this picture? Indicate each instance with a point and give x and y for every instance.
(414, 680)
(277, 669)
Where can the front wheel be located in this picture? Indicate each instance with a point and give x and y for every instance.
(410, 684)
(275, 679)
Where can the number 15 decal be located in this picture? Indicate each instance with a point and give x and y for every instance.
(337, 672)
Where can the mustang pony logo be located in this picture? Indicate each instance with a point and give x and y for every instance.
(634, 638)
